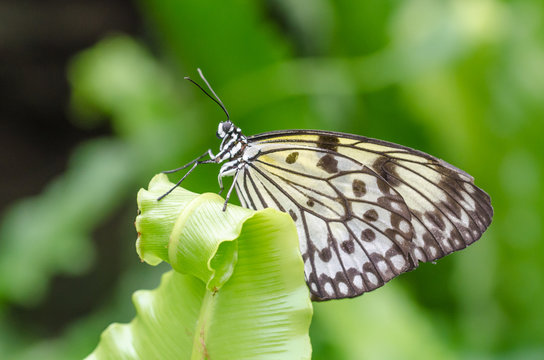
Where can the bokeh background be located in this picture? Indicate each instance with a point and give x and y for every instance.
(93, 104)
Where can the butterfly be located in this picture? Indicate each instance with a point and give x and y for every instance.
(366, 210)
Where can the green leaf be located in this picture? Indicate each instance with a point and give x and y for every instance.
(237, 292)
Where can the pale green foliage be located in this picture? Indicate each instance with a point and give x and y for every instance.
(237, 290)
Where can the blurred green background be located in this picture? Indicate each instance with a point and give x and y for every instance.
(94, 104)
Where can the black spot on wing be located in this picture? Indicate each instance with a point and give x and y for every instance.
(359, 187)
(325, 255)
(368, 235)
(370, 215)
(328, 142)
(293, 215)
(292, 157)
(348, 246)
(328, 163)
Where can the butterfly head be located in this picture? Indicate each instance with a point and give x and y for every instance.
(225, 128)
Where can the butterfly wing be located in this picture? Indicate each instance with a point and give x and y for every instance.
(366, 210)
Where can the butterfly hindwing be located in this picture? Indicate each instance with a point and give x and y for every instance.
(365, 210)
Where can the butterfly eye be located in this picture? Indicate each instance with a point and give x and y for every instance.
(223, 129)
(226, 126)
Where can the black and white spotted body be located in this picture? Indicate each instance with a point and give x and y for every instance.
(234, 149)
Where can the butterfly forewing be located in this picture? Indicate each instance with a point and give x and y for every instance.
(366, 210)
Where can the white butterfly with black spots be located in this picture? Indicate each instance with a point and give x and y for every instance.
(366, 210)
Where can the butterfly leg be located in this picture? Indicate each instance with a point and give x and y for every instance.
(230, 189)
(230, 168)
(195, 163)
(220, 180)
(208, 152)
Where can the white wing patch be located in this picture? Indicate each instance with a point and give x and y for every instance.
(366, 210)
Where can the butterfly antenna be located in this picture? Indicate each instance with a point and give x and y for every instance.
(216, 99)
